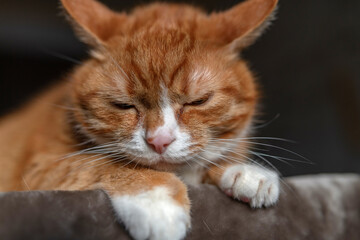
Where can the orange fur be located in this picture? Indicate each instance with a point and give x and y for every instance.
(135, 56)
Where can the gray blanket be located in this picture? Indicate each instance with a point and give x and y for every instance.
(310, 207)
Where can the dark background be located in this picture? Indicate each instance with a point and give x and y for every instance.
(308, 64)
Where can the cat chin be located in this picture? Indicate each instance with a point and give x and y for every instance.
(163, 165)
(167, 167)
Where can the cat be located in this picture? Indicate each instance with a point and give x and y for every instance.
(163, 101)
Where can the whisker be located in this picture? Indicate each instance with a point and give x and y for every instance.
(246, 157)
(282, 159)
(88, 150)
(267, 123)
(270, 138)
(251, 160)
(267, 161)
(92, 156)
(105, 163)
(60, 56)
(250, 138)
(129, 162)
(85, 166)
(267, 145)
(103, 157)
(283, 149)
(83, 143)
(65, 107)
(26, 184)
(211, 162)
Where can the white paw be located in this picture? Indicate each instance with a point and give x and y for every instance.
(253, 184)
(152, 215)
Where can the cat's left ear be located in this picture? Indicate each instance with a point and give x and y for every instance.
(94, 23)
(241, 25)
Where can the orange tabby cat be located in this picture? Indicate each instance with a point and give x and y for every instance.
(163, 99)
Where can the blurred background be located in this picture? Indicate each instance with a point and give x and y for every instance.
(308, 65)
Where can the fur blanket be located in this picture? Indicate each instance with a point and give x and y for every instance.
(310, 207)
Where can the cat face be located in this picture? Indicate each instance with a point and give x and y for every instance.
(162, 90)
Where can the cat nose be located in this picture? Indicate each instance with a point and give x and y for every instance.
(160, 141)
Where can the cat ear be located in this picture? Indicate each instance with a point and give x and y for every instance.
(241, 25)
(94, 23)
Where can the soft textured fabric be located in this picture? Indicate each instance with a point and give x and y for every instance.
(310, 207)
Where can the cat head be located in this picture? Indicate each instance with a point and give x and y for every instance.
(165, 83)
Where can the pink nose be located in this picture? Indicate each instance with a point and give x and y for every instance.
(160, 141)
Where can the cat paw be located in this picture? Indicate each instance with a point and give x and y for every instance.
(252, 184)
(152, 215)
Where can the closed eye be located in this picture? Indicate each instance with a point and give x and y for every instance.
(200, 101)
(122, 106)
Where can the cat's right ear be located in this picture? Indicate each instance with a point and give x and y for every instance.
(239, 26)
(93, 22)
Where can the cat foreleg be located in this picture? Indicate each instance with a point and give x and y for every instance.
(155, 207)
